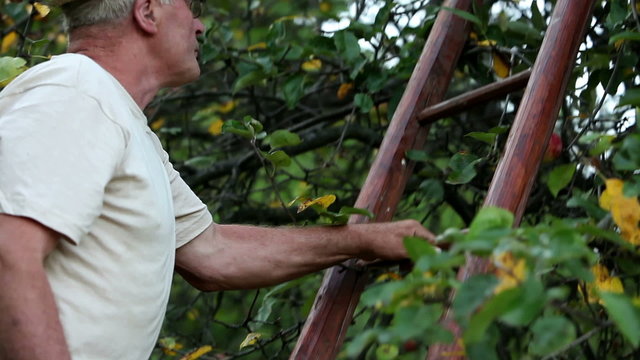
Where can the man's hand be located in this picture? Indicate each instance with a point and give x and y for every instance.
(29, 325)
(385, 240)
(228, 257)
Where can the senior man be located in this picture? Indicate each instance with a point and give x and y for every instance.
(93, 217)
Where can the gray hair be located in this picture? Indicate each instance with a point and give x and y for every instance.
(91, 12)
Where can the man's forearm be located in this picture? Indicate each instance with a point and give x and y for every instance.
(29, 326)
(238, 256)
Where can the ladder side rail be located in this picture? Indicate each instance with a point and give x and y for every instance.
(326, 326)
(530, 133)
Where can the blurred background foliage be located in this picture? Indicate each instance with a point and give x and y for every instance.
(293, 101)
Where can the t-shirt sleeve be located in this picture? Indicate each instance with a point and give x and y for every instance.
(58, 151)
(191, 214)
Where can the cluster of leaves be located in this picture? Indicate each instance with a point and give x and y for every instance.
(293, 102)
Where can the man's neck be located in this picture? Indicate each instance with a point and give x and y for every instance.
(121, 58)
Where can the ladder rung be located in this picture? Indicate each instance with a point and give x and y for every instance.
(472, 98)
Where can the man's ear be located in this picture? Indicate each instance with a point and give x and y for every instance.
(144, 15)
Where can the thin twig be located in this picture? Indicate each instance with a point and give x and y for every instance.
(578, 341)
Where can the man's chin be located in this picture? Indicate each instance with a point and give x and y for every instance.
(185, 78)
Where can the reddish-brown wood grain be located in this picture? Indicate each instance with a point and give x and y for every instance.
(472, 98)
(530, 132)
(332, 312)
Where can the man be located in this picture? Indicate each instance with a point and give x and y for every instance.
(93, 218)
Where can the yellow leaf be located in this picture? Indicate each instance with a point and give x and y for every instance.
(602, 282)
(509, 271)
(487, 43)
(42, 9)
(313, 65)
(156, 125)
(215, 128)
(61, 39)
(227, 107)
(8, 41)
(500, 65)
(196, 354)
(625, 211)
(323, 201)
(193, 314)
(169, 346)
(238, 34)
(344, 90)
(325, 6)
(618, 44)
(473, 36)
(388, 276)
(460, 350)
(251, 339)
(257, 46)
(613, 190)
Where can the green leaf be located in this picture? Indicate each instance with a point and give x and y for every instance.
(530, 304)
(496, 306)
(499, 129)
(623, 314)
(264, 312)
(281, 138)
(587, 203)
(293, 89)
(473, 292)
(418, 155)
(10, 67)
(387, 352)
(560, 177)
(485, 137)
(626, 35)
(252, 78)
(410, 322)
(279, 158)
(490, 218)
(524, 29)
(551, 333)
(463, 168)
(277, 32)
(603, 144)
(536, 18)
(432, 189)
(364, 102)
(347, 44)
(463, 14)
(632, 187)
(361, 341)
(630, 97)
(236, 127)
(628, 156)
(418, 247)
(348, 210)
(617, 13)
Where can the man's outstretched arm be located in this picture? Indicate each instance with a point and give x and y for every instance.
(29, 325)
(227, 257)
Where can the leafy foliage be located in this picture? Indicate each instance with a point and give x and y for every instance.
(293, 102)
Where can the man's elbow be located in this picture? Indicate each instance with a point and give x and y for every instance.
(204, 280)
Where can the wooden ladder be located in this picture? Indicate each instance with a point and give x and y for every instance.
(332, 313)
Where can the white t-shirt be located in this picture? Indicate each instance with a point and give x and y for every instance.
(76, 155)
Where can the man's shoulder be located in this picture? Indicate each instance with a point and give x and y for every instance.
(72, 79)
(67, 70)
